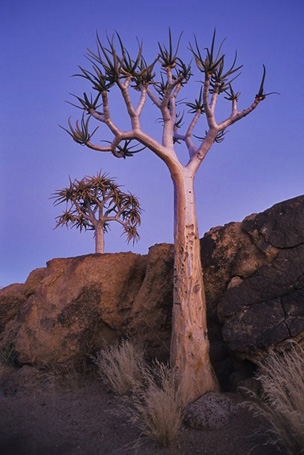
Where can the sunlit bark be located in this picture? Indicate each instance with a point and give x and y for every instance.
(189, 341)
(99, 238)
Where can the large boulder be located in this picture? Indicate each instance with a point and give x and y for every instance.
(150, 318)
(228, 254)
(254, 272)
(79, 302)
(75, 305)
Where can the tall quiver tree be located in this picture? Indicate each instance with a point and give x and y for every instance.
(113, 66)
(93, 203)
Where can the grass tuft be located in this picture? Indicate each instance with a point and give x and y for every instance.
(156, 404)
(8, 356)
(157, 407)
(282, 400)
(121, 366)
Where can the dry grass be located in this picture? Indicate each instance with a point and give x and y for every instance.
(156, 405)
(157, 408)
(8, 356)
(282, 400)
(121, 366)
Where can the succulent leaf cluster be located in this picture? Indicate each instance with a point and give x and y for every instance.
(261, 95)
(167, 56)
(218, 139)
(80, 133)
(87, 104)
(198, 105)
(213, 66)
(231, 95)
(128, 147)
(110, 67)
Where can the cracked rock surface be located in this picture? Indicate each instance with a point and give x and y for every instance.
(260, 265)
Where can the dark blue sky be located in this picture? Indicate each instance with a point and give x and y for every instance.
(260, 162)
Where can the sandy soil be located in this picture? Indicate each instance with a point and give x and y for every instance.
(43, 416)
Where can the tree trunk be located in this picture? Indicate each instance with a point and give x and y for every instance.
(189, 343)
(99, 238)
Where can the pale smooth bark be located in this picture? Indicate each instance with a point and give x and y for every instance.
(189, 354)
(99, 238)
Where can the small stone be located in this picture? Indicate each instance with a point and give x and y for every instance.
(210, 412)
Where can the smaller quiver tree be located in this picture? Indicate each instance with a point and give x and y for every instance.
(93, 202)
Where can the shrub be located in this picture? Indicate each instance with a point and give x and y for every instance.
(8, 356)
(157, 407)
(121, 366)
(282, 400)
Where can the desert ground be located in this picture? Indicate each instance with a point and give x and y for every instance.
(43, 413)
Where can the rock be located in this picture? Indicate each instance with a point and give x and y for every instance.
(212, 411)
(266, 307)
(254, 280)
(150, 318)
(76, 305)
(281, 226)
(228, 256)
(14, 296)
(33, 281)
(78, 302)
(11, 299)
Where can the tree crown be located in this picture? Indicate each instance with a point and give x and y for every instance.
(112, 64)
(98, 199)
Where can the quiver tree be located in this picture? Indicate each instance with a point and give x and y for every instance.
(112, 66)
(93, 202)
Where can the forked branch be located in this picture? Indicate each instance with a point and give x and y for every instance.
(113, 65)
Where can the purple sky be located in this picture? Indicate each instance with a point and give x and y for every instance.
(261, 161)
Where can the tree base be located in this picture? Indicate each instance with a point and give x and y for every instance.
(192, 385)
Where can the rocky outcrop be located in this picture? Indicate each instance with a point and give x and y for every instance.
(228, 255)
(11, 299)
(150, 318)
(71, 308)
(254, 272)
(77, 300)
(254, 279)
